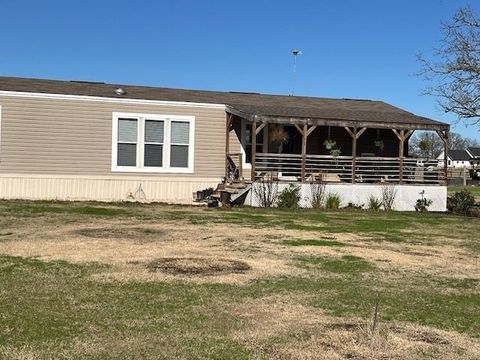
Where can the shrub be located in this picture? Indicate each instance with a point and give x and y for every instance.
(374, 203)
(289, 197)
(423, 204)
(317, 191)
(333, 201)
(461, 202)
(389, 192)
(266, 191)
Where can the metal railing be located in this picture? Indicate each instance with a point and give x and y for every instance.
(327, 168)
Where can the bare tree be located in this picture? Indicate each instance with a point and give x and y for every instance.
(454, 69)
(427, 145)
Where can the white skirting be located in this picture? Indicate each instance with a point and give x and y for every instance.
(358, 194)
(176, 190)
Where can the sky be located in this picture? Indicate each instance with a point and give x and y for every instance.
(351, 49)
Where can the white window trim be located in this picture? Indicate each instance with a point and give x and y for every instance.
(166, 169)
(243, 141)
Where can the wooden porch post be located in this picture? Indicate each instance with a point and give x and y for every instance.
(445, 165)
(253, 134)
(227, 141)
(305, 131)
(355, 135)
(444, 135)
(304, 151)
(401, 141)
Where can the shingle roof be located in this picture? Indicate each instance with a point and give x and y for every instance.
(459, 155)
(475, 151)
(248, 103)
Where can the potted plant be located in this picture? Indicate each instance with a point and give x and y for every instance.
(329, 144)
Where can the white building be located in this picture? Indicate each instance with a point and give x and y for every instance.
(456, 159)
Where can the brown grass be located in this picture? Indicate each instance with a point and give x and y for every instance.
(283, 328)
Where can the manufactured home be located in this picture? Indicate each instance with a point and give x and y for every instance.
(78, 140)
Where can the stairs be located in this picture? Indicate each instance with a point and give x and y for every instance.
(232, 193)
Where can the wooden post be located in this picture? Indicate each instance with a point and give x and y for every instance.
(444, 135)
(304, 151)
(227, 141)
(445, 147)
(400, 154)
(355, 134)
(253, 134)
(354, 155)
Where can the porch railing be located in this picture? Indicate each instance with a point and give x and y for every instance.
(327, 168)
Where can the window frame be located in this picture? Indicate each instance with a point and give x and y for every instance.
(167, 119)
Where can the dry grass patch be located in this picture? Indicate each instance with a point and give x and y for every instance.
(198, 266)
(283, 328)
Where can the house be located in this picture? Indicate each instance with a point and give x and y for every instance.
(80, 140)
(457, 159)
(474, 153)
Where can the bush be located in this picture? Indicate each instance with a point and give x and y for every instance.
(461, 202)
(333, 201)
(423, 204)
(374, 203)
(266, 191)
(317, 191)
(289, 197)
(389, 192)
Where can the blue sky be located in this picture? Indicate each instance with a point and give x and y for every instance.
(351, 49)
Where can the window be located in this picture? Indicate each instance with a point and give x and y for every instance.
(152, 143)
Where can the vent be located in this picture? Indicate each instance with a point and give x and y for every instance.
(244, 92)
(87, 82)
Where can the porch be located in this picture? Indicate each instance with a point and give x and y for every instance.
(301, 149)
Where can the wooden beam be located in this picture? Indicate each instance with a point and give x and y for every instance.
(349, 131)
(304, 151)
(228, 127)
(311, 129)
(300, 130)
(254, 148)
(360, 132)
(259, 128)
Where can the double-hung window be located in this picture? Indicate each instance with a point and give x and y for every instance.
(152, 143)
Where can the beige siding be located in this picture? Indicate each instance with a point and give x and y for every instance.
(54, 136)
(104, 188)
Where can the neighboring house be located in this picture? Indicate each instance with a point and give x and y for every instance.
(80, 140)
(475, 156)
(457, 159)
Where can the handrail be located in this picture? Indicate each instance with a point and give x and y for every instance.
(340, 169)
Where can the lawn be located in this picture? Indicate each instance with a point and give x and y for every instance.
(123, 281)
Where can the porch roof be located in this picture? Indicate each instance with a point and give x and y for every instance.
(351, 113)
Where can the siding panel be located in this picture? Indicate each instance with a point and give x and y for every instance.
(46, 136)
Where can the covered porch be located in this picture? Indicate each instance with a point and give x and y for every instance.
(365, 149)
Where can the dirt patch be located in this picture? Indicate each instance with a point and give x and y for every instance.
(139, 235)
(198, 266)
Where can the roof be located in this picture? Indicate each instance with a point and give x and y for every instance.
(459, 155)
(244, 104)
(475, 151)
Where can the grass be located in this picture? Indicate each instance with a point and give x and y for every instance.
(60, 307)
